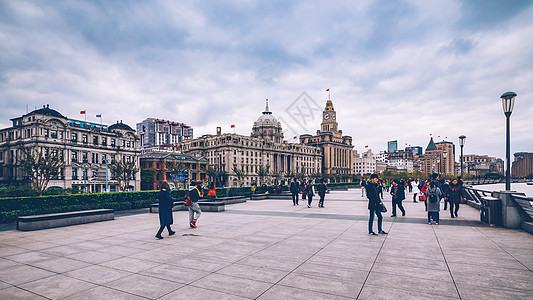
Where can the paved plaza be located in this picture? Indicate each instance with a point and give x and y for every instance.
(270, 249)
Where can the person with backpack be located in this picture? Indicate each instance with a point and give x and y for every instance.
(165, 210)
(322, 188)
(309, 192)
(434, 196)
(455, 196)
(374, 205)
(398, 195)
(194, 195)
(295, 189)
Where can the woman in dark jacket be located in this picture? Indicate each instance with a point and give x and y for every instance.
(165, 210)
(455, 195)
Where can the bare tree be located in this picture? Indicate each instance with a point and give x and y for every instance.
(262, 172)
(40, 168)
(239, 173)
(123, 172)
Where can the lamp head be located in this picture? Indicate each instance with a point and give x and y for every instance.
(508, 102)
(462, 140)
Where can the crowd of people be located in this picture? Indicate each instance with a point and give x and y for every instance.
(431, 193)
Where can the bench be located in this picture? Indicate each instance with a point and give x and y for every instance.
(204, 206)
(37, 222)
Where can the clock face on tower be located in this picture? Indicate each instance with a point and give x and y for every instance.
(333, 116)
(326, 116)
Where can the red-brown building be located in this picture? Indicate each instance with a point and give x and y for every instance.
(522, 164)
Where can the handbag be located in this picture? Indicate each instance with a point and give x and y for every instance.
(422, 198)
(383, 207)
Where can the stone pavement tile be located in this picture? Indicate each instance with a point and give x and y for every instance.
(473, 292)
(30, 257)
(323, 283)
(194, 293)
(144, 245)
(93, 257)
(358, 264)
(130, 264)
(336, 272)
(273, 262)
(499, 278)
(414, 262)
(503, 260)
(232, 285)
(418, 272)
(390, 292)
(97, 274)
(7, 250)
(6, 263)
(63, 250)
(175, 273)
(253, 273)
(4, 285)
(102, 293)
(285, 292)
(155, 256)
(56, 287)
(406, 282)
(192, 262)
(121, 250)
(14, 293)
(144, 286)
(60, 264)
(22, 273)
(92, 245)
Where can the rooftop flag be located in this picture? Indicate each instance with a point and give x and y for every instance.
(327, 90)
(99, 116)
(232, 125)
(83, 112)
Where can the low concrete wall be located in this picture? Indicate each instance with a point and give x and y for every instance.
(511, 216)
(37, 222)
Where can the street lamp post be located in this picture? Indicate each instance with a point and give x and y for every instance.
(508, 105)
(444, 155)
(462, 144)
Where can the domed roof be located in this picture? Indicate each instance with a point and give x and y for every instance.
(47, 111)
(267, 118)
(120, 126)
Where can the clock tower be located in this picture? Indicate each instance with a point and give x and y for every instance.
(329, 118)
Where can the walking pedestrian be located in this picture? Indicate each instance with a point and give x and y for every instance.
(165, 210)
(414, 188)
(398, 195)
(445, 190)
(212, 191)
(303, 187)
(309, 192)
(362, 184)
(194, 209)
(374, 205)
(322, 188)
(295, 190)
(434, 196)
(455, 196)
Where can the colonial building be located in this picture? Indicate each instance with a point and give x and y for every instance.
(177, 169)
(479, 165)
(86, 148)
(364, 164)
(337, 150)
(263, 157)
(162, 134)
(522, 164)
(439, 158)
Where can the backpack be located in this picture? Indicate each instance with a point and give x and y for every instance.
(187, 199)
(433, 195)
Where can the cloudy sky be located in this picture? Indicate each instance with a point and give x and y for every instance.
(397, 70)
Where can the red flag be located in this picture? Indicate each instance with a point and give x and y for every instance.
(366, 146)
(327, 90)
(232, 125)
(265, 132)
(83, 112)
(316, 141)
(295, 137)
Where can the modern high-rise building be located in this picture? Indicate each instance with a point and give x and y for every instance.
(162, 134)
(392, 146)
(85, 147)
(417, 150)
(337, 150)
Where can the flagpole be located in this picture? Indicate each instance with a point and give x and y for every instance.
(85, 115)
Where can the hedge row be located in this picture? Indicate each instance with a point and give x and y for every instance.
(13, 207)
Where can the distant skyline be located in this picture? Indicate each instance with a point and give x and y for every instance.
(396, 70)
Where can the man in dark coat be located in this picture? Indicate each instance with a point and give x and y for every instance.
(374, 204)
(322, 188)
(165, 210)
(295, 189)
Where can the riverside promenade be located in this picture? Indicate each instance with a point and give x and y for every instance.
(270, 249)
